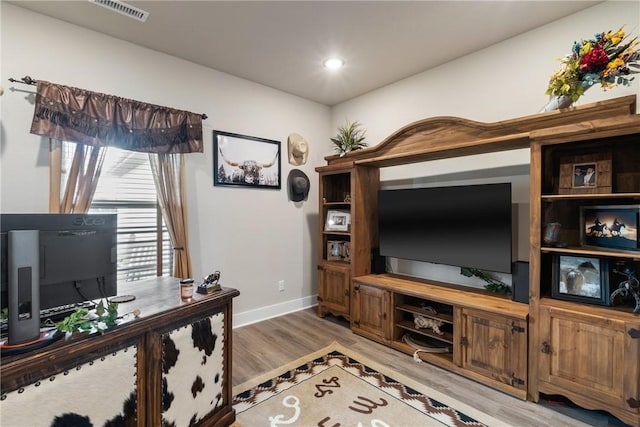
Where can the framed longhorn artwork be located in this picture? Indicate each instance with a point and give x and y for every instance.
(245, 161)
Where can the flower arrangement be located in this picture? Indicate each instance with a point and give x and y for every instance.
(606, 59)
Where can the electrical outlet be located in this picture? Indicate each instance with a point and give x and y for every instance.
(281, 285)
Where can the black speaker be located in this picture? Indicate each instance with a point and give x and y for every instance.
(23, 259)
(520, 280)
(378, 262)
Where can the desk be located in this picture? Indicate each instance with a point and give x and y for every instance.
(172, 364)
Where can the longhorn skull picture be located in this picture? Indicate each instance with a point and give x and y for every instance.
(246, 161)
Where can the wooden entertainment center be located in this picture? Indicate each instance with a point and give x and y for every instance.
(553, 345)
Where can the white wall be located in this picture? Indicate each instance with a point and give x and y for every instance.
(254, 237)
(505, 81)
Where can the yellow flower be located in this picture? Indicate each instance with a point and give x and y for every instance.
(611, 66)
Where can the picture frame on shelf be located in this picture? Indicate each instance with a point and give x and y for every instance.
(334, 250)
(585, 174)
(580, 279)
(610, 227)
(346, 251)
(337, 220)
(246, 161)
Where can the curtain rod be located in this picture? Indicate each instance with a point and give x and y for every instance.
(27, 80)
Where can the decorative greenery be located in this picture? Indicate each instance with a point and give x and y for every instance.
(493, 284)
(84, 320)
(350, 137)
(606, 59)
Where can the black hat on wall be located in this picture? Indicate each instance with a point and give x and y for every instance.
(298, 184)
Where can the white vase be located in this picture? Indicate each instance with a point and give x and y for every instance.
(556, 103)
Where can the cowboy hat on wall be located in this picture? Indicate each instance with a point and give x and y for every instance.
(298, 185)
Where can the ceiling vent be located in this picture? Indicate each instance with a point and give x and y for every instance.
(123, 9)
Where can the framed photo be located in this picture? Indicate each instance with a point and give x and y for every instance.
(346, 251)
(334, 250)
(585, 174)
(611, 227)
(337, 220)
(581, 279)
(245, 161)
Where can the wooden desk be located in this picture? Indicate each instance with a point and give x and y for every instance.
(170, 365)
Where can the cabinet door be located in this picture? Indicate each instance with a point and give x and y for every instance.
(194, 377)
(371, 312)
(495, 347)
(334, 289)
(589, 358)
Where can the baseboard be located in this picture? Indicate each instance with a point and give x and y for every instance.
(263, 313)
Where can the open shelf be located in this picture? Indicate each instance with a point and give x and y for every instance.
(409, 326)
(448, 318)
(445, 358)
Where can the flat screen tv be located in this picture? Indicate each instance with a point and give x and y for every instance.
(465, 226)
(77, 256)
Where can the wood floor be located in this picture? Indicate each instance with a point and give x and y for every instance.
(263, 346)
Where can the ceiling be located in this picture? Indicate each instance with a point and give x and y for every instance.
(281, 44)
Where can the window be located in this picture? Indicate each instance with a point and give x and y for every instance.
(126, 187)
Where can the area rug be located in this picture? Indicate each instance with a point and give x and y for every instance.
(336, 387)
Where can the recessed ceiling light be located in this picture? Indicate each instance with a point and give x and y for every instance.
(333, 63)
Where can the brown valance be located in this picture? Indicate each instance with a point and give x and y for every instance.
(91, 118)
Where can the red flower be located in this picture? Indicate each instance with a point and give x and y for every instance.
(594, 61)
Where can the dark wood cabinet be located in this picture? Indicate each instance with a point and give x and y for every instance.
(139, 373)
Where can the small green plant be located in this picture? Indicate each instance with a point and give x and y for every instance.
(350, 137)
(83, 320)
(493, 285)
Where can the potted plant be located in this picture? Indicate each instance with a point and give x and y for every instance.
(350, 137)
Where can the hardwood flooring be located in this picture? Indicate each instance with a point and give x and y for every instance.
(260, 347)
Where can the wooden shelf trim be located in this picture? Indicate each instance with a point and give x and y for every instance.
(600, 252)
(598, 312)
(439, 137)
(552, 197)
(445, 293)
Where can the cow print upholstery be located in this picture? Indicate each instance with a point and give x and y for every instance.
(193, 371)
(102, 392)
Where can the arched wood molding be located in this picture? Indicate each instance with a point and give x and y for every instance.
(443, 137)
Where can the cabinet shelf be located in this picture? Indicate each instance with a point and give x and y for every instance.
(447, 318)
(591, 251)
(408, 326)
(551, 197)
(346, 204)
(336, 233)
(447, 358)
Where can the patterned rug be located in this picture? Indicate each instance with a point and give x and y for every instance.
(336, 387)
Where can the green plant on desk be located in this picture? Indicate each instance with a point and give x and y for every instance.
(83, 320)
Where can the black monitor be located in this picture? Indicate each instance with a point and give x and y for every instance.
(76, 256)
